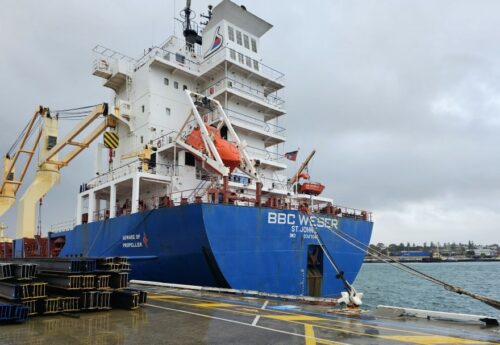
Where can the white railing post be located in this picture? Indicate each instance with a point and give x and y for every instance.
(79, 209)
(135, 193)
(112, 201)
(91, 209)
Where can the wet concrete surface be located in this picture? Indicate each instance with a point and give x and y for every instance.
(175, 316)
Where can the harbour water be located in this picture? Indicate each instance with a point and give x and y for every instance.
(384, 284)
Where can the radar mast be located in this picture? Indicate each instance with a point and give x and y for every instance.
(190, 27)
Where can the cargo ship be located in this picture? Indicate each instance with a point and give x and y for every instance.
(191, 180)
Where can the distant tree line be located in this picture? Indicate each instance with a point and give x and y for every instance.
(446, 249)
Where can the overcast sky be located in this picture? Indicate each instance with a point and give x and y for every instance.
(400, 98)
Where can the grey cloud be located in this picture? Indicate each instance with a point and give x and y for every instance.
(401, 98)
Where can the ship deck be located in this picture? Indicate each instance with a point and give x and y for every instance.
(178, 316)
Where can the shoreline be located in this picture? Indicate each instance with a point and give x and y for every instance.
(433, 261)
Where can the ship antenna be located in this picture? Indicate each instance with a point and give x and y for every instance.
(190, 31)
(207, 16)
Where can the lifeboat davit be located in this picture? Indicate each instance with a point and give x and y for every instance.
(311, 188)
(304, 175)
(228, 151)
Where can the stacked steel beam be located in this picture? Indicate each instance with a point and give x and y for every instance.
(19, 290)
(13, 312)
(53, 285)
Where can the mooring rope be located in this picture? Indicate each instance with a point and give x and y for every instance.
(352, 293)
(387, 259)
(340, 273)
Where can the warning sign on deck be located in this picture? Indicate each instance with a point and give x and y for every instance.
(111, 140)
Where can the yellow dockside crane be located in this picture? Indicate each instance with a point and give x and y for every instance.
(49, 164)
(10, 185)
(143, 155)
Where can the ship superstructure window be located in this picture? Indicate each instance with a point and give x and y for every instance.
(184, 87)
(238, 37)
(248, 61)
(230, 32)
(167, 111)
(166, 81)
(246, 41)
(176, 85)
(232, 53)
(240, 58)
(142, 108)
(254, 45)
(256, 65)
(180, 58)
(189, 160)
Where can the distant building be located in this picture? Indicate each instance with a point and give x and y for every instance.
(484, 253)
(413, 255)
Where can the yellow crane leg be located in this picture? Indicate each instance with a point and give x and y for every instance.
(7, 194)
(47, 175)
(26, 210)
(6, 203)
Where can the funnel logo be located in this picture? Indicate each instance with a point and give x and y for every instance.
(216, 44)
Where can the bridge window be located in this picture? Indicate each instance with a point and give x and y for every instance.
(246, 41)
(241, 58)
(249, 61)
(230, 32)
(238, 37)
(254, 45)
(232, 53)
(180, 58)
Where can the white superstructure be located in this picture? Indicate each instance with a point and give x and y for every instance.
(152, 102)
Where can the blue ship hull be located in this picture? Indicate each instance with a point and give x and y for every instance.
(219, 245)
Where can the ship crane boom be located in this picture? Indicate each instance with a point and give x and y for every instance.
(70, 138)
(143, 155)
(10, 184)
(49, 164)
(302, 167)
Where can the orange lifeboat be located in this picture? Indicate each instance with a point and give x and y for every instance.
(311, 188)
(228, 152)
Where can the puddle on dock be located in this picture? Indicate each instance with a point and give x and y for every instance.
(191, 317)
